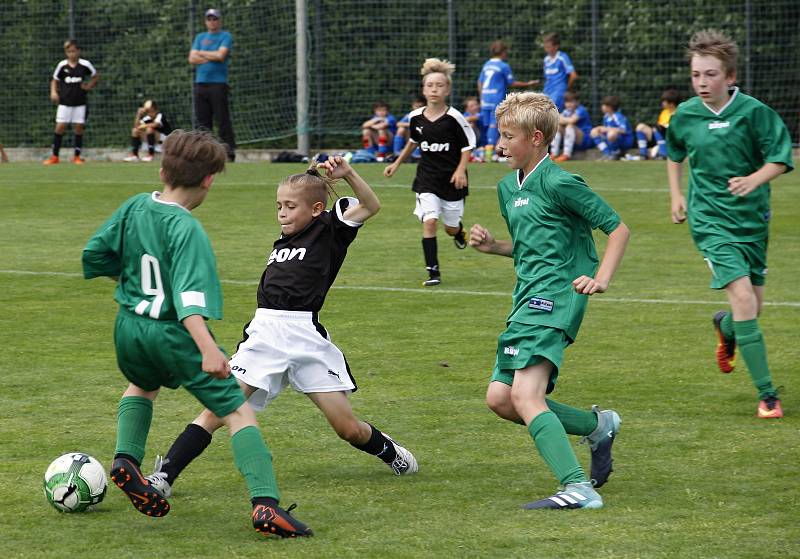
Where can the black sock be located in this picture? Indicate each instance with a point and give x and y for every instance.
(136, 143)
(78, 143)
(151, 144)
(189, 445)
(128, 457)
(57, 143)
(431, 255)
(267, 501)
(378, 445)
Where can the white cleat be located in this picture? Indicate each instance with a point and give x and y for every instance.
(404, 463)
(158, 479)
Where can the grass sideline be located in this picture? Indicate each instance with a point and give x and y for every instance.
(695, 472)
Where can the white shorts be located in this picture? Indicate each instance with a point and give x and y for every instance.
(284, 347)
(430, 206)
(71, 115)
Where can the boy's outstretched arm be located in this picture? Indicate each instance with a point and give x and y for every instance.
(368, 203)
(481, 239)
(214, 361)
(617, 241)
(407, 149)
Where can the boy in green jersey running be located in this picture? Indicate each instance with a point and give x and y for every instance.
(167, 288)
(550, 215)
(736, 145)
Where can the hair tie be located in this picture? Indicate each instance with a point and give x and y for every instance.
(313, 172)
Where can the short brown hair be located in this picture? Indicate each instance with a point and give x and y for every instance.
(497, 48)
(671, 96)
(571, 95)
(552, 38)
(529, 112)
(711, 42)
(611, 100)
(71, 43)
(189, 157)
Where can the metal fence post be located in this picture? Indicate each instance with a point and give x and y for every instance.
(748, 68)
(301, 30)
(451, 42)
(317, 44)
(595, 65)
(71, 18)
(192, 31)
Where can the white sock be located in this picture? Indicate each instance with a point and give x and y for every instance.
(569, 141)
(556, 143)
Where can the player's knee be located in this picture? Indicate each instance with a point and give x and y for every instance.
(348, 430)
(594, 133)
(613, 135)
(641, 127)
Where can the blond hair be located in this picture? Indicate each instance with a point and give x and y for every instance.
(312, 185)
(529, 112)
(710, 42)
(437, 66)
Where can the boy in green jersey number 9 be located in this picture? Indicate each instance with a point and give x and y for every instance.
(735, 145)
(550, 215)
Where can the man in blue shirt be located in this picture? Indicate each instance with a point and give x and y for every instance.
(494, 80)
(209, 55)
(559, 73)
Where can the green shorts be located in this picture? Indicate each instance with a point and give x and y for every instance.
(523, 345)
(731, 261)
(153, 353)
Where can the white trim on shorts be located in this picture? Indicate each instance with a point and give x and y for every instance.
(285, 347)
(71, 115)
(430, 206)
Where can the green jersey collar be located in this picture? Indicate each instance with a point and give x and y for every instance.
(521, 180)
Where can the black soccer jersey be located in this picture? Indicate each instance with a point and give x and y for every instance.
(441, 142)
(302, 267)
(69, 80)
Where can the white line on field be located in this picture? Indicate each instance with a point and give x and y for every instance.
(444, 291)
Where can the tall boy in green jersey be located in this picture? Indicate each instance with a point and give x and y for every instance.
(735, 145)
(550, 215)
(167, 288)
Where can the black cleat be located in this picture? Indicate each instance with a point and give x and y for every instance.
(144, 497)
(460, 239)
(276, 521)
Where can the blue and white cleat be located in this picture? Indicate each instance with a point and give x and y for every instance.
(573, 496)
(600, 441)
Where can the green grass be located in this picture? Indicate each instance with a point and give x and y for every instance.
(696, 474)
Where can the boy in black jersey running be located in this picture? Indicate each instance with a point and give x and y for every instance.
(446, 140)
(284, 343)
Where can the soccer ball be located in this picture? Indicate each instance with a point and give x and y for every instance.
(74, 482)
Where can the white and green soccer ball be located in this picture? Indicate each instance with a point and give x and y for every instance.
(74, 482)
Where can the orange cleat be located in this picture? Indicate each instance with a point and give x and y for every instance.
(561, 158)
(77, 160)
(52, 160)
(770, 408)
(273, 520)
(726, 348)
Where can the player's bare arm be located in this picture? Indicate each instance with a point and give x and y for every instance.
(615, 249)
(677, 200)
(368, 203)
(459, 176)
(54, 91)
(215, 363)
(482, 240)
(742, 186)
(407, 149)
(92, 83)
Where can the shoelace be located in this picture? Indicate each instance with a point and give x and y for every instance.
(160, 477)
(291, 507)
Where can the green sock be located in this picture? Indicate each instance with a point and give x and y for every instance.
(134, 415)
(726, 326)
(254, 461)
(754, 351)
(552, 443)
(574, 420)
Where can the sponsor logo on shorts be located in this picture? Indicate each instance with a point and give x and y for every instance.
(541, 304)
(521, 202)
(334, 374)
(238, 368)
(715, 125)
(285, 254)
(511, 350)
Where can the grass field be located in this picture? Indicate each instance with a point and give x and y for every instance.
(696, 474)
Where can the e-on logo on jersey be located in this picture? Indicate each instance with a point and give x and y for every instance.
(435, 146)
(285, 254)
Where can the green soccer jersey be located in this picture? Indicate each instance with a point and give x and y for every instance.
(550, 215)
(162, 256)
(734, 142)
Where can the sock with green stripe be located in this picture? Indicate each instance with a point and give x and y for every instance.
(574, 420)
(551, 441)
(134, 415)
(754, 351)
(254, 461)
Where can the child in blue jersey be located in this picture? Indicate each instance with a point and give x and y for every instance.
(615, 135)
(654, 135)
(559, 73)
(378, 132)
(472, 114)
(495, 78)
(401, 137)
(574, 129)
